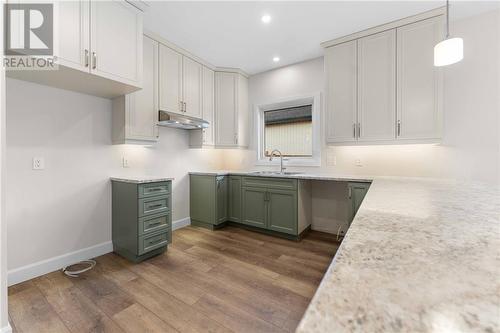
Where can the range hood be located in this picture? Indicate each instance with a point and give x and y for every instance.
(170, 119)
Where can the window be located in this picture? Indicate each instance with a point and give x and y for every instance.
(289, 130)
(291, 126)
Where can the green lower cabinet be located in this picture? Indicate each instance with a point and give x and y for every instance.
(282, 211)
(234, 193)
(254, 206)
(269, 204)
(222, 199)
(208, 200)
(141, 219)
(357, 192)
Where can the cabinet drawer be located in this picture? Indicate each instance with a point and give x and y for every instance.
(154, 189)
(153, 241)
(154, 223)
(154, 205)
(271, 183)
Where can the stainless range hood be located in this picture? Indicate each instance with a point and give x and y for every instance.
(170, 119)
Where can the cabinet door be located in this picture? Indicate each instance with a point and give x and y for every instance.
(341, 80)
(222, 186)
(282, 211)
(192, 86)
(377, 87)
(170, 89)
(208, 106)
(202, 198)
(142, 106)
(225, 109)
(357, 192)
(73, 28)
(116, 40)
(242, 112)
(419, 82)
(235, 198)
(254, 206)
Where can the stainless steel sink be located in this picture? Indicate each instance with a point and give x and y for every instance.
(274, 173)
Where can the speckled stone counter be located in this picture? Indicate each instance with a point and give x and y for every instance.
(420, 256)
(298, 175)
(141, 179)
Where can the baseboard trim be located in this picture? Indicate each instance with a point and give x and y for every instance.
(34, 270)
(6, 329)
(31, 271)
(181, 223)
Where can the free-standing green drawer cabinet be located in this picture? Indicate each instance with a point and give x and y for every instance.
(142, 218)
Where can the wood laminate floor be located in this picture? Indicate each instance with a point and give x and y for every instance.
(231, 280)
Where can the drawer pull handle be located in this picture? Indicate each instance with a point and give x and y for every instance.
(155, 189)
(154, 224)
(155, 206)
(154, 240)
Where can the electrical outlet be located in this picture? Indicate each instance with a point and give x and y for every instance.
(125, 162)
(358, 162)
(38, 163)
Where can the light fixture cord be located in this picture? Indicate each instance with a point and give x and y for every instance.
(447, 19)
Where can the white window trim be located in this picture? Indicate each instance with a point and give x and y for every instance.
(315, 100)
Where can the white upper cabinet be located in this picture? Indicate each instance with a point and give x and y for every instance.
(98, 49)
(192, 87)
(242, 136)
(377, 86)
(180, 83)
(116, 41)
(206, 137)
(208, 105)
(341, 81)
(419, 93)
(231, 110)
(73, 44)
(170, 80)
(135, 115)
(382, 86)
(226, 109)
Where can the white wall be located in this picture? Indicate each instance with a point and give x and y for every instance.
(67, 206)
(470, 145)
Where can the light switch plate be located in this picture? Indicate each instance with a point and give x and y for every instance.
(38, 163)
(125, 162)
(358, 162)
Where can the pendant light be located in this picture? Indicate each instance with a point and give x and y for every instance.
(450, 50)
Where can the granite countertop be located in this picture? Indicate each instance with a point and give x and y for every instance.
(298, 175)
(140, 179)
(420, 256)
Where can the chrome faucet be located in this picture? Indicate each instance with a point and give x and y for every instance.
(282, 169)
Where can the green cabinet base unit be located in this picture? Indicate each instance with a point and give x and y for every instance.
(271, 232)
(210, 226)
(141, 219)
(357, 192)
(281, 206)
(138, 258)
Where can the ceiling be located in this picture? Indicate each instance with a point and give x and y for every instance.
(231, 33)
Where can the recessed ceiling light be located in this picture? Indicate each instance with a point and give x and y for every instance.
(266, 18)
(276, 59)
